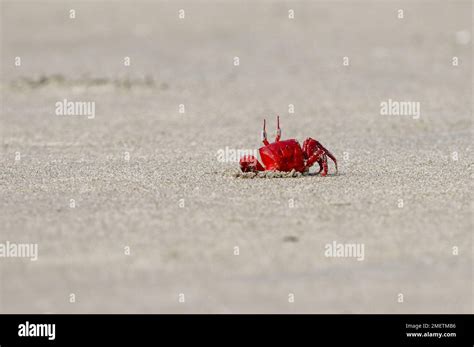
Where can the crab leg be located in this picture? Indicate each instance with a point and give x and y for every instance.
(317, 156)
(333, 158)
(329, 154)
(320, 162)
(325, 165)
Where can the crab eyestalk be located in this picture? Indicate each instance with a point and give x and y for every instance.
(264, 135)
(278, 131)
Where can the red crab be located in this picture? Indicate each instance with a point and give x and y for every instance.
(288, 155)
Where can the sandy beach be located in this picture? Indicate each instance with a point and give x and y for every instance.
(132, 208)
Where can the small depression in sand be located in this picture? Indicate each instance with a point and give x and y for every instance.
(270, 174)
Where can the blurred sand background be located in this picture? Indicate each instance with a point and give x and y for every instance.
(173, 156)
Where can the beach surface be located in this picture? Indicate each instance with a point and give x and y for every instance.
(135, 209)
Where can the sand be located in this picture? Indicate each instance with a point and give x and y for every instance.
(133, 211)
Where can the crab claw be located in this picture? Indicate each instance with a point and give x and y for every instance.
(249, 163)
(314, 151)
